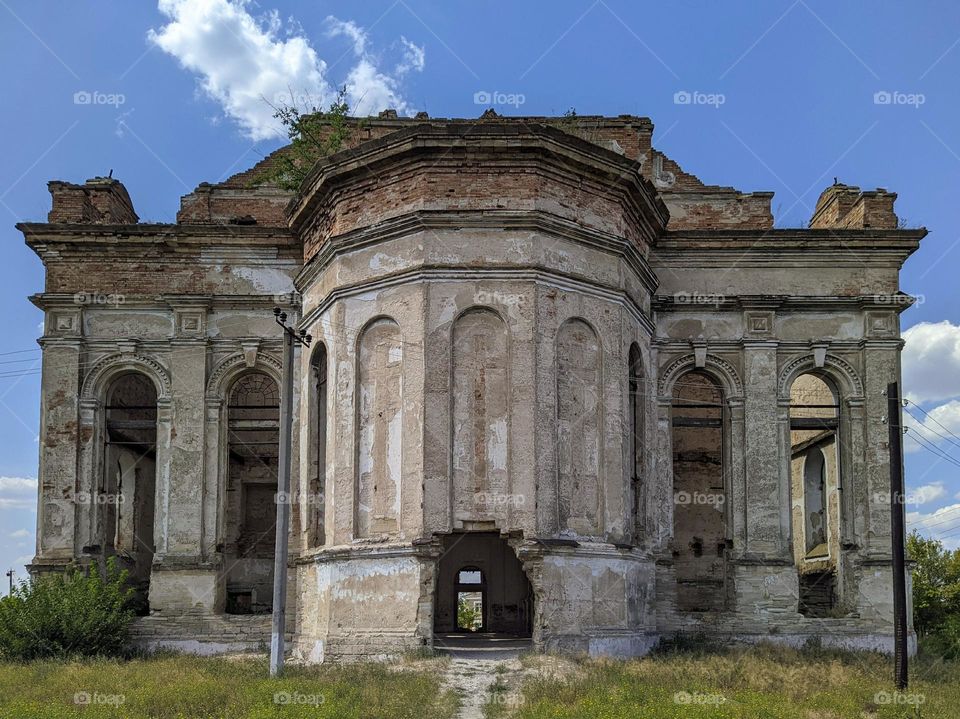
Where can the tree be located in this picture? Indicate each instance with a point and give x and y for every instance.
(314, 134)
(936, 592)
(467, 614)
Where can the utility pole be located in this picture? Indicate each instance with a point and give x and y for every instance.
(895, 434)
(10, 578)
(291, 341)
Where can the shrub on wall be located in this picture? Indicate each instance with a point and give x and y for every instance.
(76, 613)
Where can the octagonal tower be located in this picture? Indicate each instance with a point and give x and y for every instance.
(480, 298)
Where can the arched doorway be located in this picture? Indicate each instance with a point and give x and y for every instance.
(253, 442)
(481, 582)
(815, 492)
(127, 491)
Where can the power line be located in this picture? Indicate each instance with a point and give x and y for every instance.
(934, 420)
(933, 449)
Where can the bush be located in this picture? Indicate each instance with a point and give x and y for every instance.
(77, 613)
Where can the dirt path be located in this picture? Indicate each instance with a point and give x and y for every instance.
(471, 678)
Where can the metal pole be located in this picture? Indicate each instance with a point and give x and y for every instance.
(895, 434)
(283, 509)
(10, 577)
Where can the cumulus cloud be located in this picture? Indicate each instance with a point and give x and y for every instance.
(245, 65)
(20, 534)
(926, 493)
(931, 376)
(18, 493)
(940, 524)
(931, 362)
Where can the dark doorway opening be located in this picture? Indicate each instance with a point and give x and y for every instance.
(481, 588)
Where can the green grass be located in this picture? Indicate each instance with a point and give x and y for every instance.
(758, 683)
(172, 686)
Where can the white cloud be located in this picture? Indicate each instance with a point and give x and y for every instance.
(18, 493)
(243, 63)
(926, 493)
(20, 534)
(936, 524)
(414, 58)
(18, 485)
(931, 362)
(931, 374)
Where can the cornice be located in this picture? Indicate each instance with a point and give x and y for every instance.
(448, 273)
(498, 220)
(551, 146)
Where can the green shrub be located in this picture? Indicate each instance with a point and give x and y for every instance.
(76, 613)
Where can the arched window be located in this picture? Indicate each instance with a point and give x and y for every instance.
(700, 539)
(127, 492)
(815, 490)
(253, 440)
(636, 403)
(317, 448)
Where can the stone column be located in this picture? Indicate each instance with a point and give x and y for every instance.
(59, 412)
(764, 488)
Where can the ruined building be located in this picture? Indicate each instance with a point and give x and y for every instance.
(559, 388)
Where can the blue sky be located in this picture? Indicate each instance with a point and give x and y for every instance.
(175, 98)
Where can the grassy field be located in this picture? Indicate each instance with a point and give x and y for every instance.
(759, 683)
(171, 687)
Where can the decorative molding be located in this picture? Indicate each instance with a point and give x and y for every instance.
(832, 365)
(125, 360)
(723, 370)
(237, 362)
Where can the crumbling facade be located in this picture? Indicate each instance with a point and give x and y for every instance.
(555, 379)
